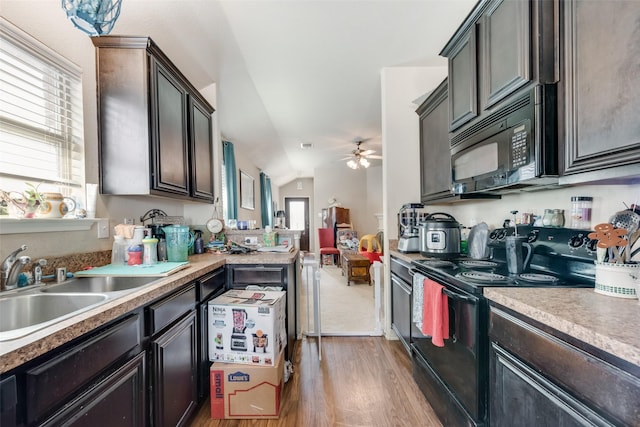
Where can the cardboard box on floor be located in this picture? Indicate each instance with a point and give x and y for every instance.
(247, 327)
(240, 391)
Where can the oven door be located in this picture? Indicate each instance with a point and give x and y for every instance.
(458, 363)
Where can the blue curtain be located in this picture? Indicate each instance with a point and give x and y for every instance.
(229, 159)
(266, 203)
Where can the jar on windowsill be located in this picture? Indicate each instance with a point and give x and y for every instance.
(547, 218)
(557, 218)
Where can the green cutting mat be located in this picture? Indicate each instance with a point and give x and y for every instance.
(155, 270)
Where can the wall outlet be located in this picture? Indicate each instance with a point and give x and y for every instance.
(251, 240)
(103, 228)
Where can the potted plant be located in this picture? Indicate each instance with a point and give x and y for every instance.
(23, 204)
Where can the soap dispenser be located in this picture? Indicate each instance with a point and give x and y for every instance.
(198, 243)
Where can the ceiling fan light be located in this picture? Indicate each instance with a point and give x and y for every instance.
(364, 162)
(352, 164)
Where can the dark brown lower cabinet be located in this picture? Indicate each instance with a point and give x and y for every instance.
(141, 369)
(62, 386)
(174, 373)
(117, 400)
(539, 379)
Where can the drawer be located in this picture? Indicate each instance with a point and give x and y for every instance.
(258, 275)
(166, 311)
(604, 387)
(55, 381)
(211, 284)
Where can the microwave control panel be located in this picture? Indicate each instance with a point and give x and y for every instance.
(519, 147)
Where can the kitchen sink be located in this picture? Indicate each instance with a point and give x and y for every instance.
(99, 284)
(21, 315)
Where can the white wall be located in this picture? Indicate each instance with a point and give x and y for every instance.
(353, 190)
(607, 199)
(400, 136)
(244, 164)
(51, 27)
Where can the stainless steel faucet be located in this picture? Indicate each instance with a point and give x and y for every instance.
(11, 268)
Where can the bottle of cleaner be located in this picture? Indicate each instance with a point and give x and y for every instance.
(198, 244)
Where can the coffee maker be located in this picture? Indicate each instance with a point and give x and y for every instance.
(409, 217)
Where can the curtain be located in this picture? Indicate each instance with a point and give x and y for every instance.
(229, 158)
(266, 203)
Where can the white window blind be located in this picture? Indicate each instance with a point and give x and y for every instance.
(41, 125)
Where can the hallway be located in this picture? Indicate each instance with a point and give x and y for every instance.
(345, 310)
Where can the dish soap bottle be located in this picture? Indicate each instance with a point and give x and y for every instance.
(198, 244)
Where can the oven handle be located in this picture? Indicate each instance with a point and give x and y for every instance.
(458, 296)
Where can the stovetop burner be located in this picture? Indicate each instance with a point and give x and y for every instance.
(483, 277)
(538, 278)
(437, 263)
(476, 263)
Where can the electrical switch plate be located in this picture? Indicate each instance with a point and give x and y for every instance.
(103, 229)
(251, 240)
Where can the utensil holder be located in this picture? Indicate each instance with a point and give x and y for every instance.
(617, 280)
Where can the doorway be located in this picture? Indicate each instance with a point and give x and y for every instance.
(297, 218)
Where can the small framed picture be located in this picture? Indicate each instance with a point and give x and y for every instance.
(247, 196)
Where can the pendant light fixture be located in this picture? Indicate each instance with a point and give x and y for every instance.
(94, 17)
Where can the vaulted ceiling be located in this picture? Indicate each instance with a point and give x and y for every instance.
(295, 71)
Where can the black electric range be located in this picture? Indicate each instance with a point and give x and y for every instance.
(561, 257)
(454, 378)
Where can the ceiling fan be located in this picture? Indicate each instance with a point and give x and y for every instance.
(359, 157)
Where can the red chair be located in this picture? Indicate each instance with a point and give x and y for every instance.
(326, 241)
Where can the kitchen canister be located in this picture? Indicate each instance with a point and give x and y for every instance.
(581, 212)
(179, 240)
(54, 205)
(617, 279)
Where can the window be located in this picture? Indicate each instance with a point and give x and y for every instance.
(41, 124)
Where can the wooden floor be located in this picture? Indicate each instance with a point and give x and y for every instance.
(361, 381)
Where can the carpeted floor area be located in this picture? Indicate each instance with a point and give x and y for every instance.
(345, 310)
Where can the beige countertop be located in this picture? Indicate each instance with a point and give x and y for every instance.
(393, 251)
(607, 323)
(14, 353)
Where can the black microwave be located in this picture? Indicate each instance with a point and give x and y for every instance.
(514, 147)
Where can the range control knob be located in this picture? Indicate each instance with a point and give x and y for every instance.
(533, 236)
(577, 241)
(592, 244)
(501, 234)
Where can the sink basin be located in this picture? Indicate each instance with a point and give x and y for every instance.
(100, 284)
(23, 314)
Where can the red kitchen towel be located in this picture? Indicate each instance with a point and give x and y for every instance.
(435, 313)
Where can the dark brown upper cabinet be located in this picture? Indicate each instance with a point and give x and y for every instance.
(601, 90)
(463, 65)
(435, 167)
(154, 127)
(501, 46)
